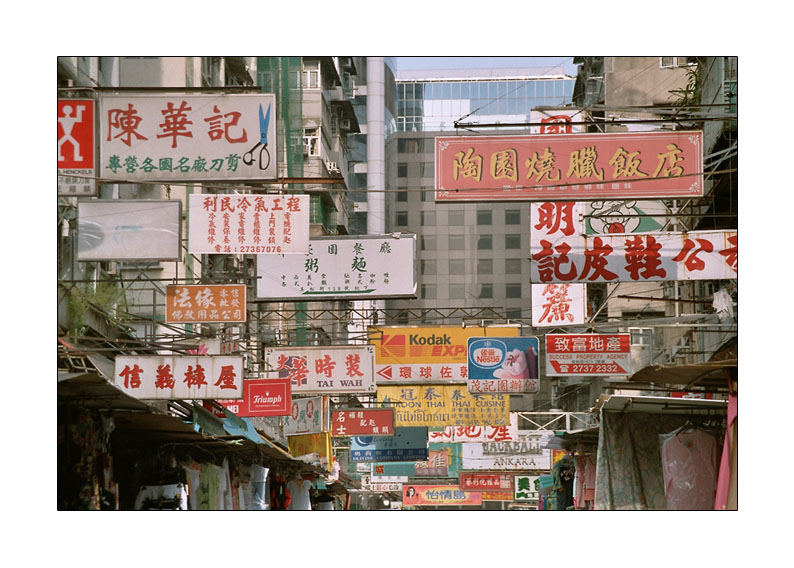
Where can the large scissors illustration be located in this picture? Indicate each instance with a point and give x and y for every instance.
(248, 157)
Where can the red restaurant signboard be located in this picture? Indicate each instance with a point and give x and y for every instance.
(363, 422)
(583, 166)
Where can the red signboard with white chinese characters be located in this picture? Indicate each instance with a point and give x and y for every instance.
(205, 303)
(588, 354)
(579, 166)
(180, 377)
(362, 422)
(470, 481)
(76, 165)
(262, 397)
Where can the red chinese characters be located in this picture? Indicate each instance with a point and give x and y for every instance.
(174, 377)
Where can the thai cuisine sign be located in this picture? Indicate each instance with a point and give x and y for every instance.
(579, 166)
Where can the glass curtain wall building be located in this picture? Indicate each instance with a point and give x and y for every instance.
(470, 254)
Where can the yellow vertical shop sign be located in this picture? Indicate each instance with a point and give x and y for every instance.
(313, 443)
(444, 405)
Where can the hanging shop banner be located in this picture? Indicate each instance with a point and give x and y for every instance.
(346, 268)
(362, 422)
(491, 481)
(313, 444)
(503, 364)
(580, 166)
(180, 377)
(444, 405)
(248, 224)
(557, 305)
(261, 397)
(76, 164)
(307, 416)
(439, 457)
(426, 355)
(588, 354)
(526, 454)
(526, 488)
(646, 257)
(205, 303)
(505, 433)
(407, 444)
(368, 483)
(439, 495)
(129, 229)
(180, 137)
(324, 369)
(557, 121)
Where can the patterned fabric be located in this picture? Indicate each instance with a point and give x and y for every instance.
(629, 467)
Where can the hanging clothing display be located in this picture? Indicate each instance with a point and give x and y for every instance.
(689, 467)
(726, 496)
(299, 490)
(280, 497)
(563, 473)
(261, 495)
(586, 479)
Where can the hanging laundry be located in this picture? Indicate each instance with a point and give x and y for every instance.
(689, 469)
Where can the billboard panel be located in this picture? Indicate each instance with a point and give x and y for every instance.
(307, 416)
(486, 481)
(136, 229)
(583, 354)
(581, 166)
(528, 453)
(175, 377)
(505, 433)
(439, 495)
(324, 369)
(424, 355)
(181, 137)
(362, 422)
(444, 405)
(261, 397)
(407, 444)
(76, 163)
(248, 224)
(205, 303)
(504, 364)
(347, 268)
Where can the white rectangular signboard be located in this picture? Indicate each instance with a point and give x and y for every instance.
(180, 377)
(527, 453)
(248, 224)
(306, 416)
(366, 266)
(180, 137)
(324, 369)
(135, 229)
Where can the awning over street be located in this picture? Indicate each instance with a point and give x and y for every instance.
(714, 374)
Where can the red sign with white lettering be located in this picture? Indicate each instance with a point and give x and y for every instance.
(363, 422)
(486, 481)
(262, 397)
(573, 354)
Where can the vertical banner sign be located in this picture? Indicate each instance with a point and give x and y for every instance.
(407, 444)
(581, 166)
(307, 416)
(444, 405)
(504, 364)
(180, 137)
(324, 369)
(180, 377)
(205, 303)
(362, 422)
(439, 495)
(341, 268)
(429, 355)
(261, 397)
(76, 164)
(563, 303)
(248, 224)
(588, 354)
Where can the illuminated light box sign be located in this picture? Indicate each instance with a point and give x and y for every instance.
(261, 397)
(181, 137)
(580, 166)
(134, 229)
(588, 354)
(180, 377)
(248, 224)
(504, 364)
(205, 303)
(366, 266)
(76, 163)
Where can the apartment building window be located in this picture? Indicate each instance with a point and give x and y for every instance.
(512, 241)
(513, 314)
(456, 218)
(457, 267)
(402, 218)
(428, 195)
(512, 290)
(402, 170)
(428, 218)
(513, 265)
(484, 266)
(428, 266)
(402, 196)
(428, 291)
(513, 217)
(457, 242)
(641, 335)
(311, 142)
(427, 242)
(484, 217)
(670, 62)
(311, 75)
(409, 145)
(485, 242)
(486, 291)
(456, 291)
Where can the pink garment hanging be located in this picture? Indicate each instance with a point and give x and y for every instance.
(728, 449)
(689, 468)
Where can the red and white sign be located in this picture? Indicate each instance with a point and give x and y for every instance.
(205, 303)
(362, 422)
(180, 377)
(449, 434)
(325, 369)
(486, 481)
(262, 397)
(76, 164)
(308, 415)
(248, 224)
(582, 166)
(588, 354)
